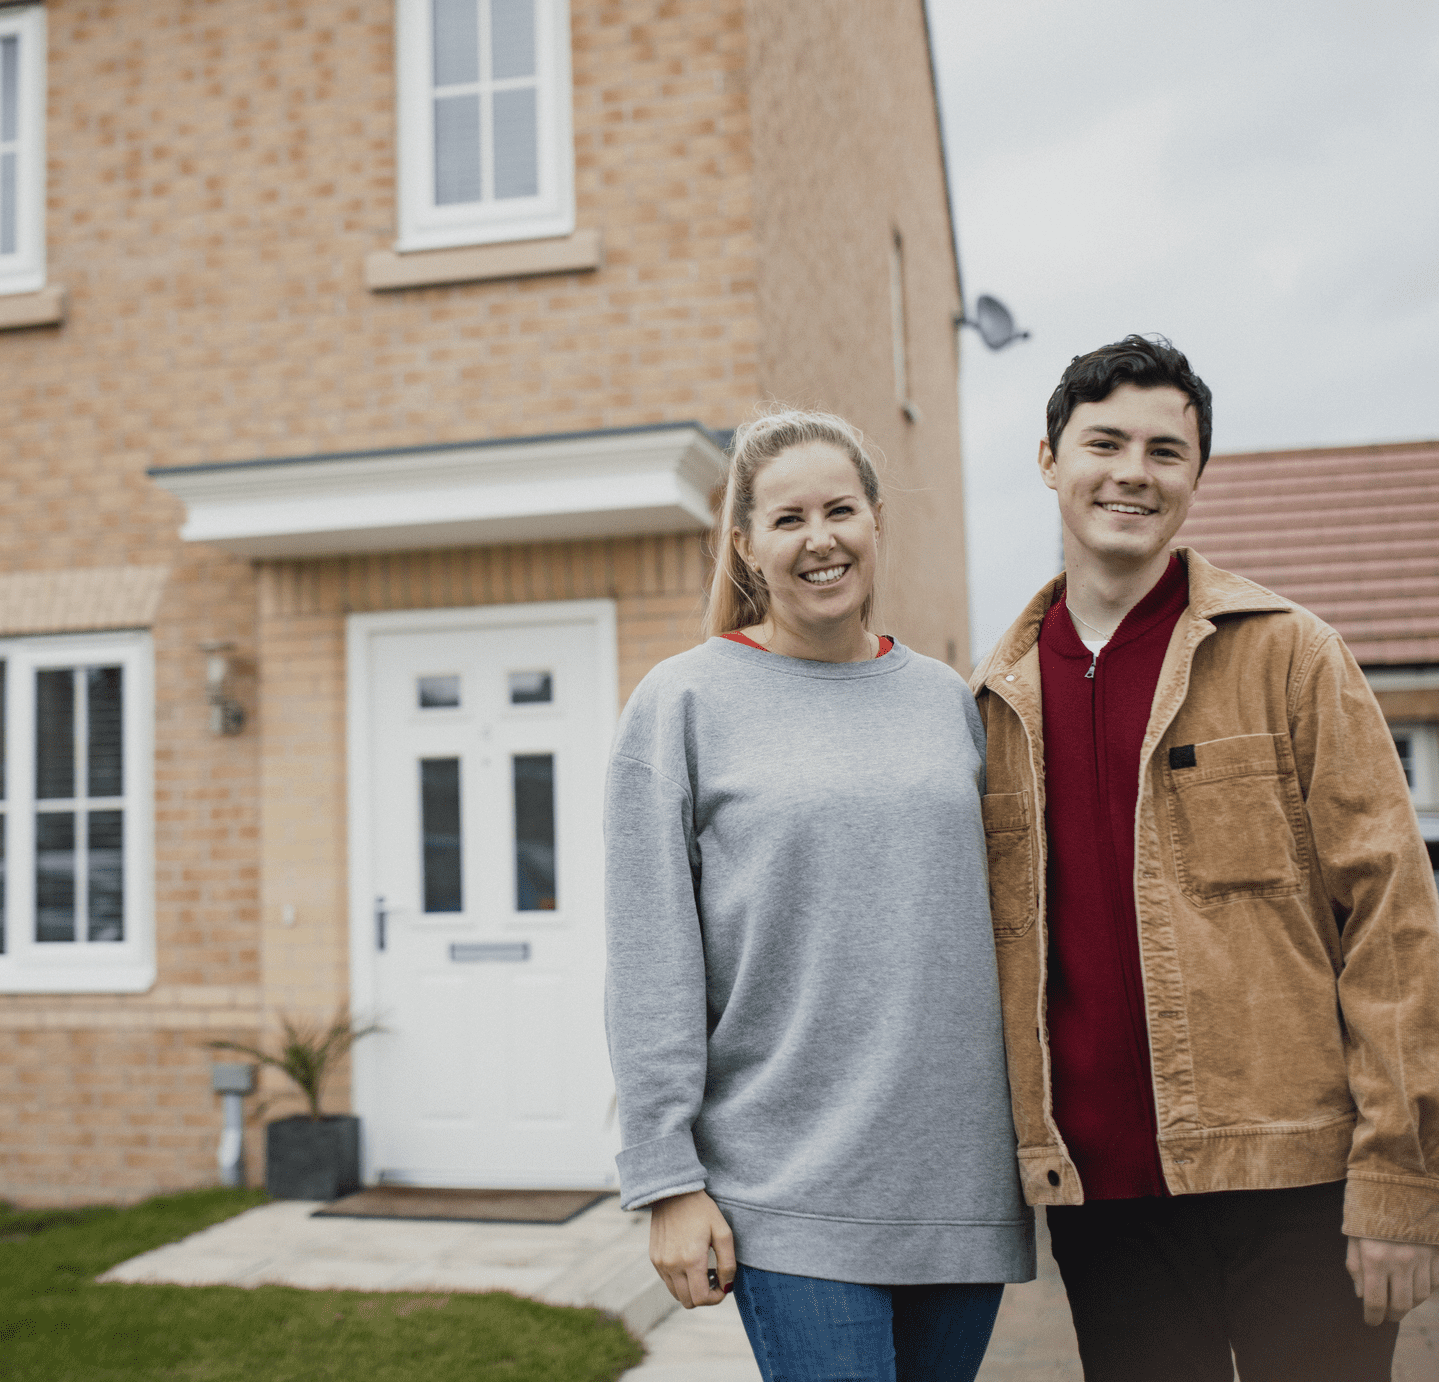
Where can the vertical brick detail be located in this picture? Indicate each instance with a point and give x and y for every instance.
(657, 582)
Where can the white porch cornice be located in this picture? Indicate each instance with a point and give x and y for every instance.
(613, 483)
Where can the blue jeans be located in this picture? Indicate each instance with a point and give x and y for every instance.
(804, 1329)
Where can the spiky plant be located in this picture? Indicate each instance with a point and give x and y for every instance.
(309, 1052)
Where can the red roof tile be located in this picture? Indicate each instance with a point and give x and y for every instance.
(1350, 532)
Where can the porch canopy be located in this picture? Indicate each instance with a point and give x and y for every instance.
(556, 487)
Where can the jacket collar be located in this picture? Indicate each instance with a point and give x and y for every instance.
(1212, 592)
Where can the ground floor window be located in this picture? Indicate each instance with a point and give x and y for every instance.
(76, 867)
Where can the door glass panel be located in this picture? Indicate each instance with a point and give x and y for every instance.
(104, 699)
(440, 831)
(457, 41)
(106, 870)
(530, 688)
(55, 732)
(55, 876)
(436, 693)
(535, 832)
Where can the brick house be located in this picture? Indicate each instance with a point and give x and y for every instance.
(366, 368)
(1352, 533)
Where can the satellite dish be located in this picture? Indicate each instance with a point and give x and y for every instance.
(993, 322)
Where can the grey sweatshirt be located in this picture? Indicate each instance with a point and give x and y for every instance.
(801, 998)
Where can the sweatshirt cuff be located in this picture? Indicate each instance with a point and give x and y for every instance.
(1400, 1209)
(653, 1170)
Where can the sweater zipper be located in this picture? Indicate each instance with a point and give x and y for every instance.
(1093, 663)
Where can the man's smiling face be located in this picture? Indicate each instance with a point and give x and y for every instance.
(1125, 473)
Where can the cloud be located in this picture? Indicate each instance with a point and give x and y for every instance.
(1254, 181)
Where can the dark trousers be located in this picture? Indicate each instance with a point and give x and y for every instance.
(1162, 1289)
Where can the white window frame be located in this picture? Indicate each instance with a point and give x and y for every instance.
(425, 226)
(79, 966)
(23, 271)
(1423, 737)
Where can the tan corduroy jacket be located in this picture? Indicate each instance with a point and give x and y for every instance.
(1288, 922)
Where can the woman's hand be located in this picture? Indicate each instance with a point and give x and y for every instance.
(683, 1229)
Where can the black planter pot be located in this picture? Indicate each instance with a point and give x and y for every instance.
(310, 1159)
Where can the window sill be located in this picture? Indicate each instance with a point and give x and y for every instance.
(45, 308)
(386, 271)
(127, 976)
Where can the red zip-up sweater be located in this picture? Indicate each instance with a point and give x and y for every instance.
(1099, 1039)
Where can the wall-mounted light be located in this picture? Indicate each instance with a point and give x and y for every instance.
(227, 715)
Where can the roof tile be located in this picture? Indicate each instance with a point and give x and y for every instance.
(1350, 532)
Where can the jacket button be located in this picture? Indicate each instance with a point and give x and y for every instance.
(1010, 677)
(1054, 1177)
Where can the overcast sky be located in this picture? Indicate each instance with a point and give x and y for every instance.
(1257, 179)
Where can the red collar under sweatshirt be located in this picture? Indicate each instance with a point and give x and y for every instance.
(1093, 729)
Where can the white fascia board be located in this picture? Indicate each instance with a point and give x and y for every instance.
(1403, 678)
(565, 488)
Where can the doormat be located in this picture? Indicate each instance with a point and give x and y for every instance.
(472, 1206)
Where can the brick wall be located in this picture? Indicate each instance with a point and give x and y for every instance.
(847, 154)
(218, 173)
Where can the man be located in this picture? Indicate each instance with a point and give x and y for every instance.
(1216, 928)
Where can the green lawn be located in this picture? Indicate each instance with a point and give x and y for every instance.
(57, 1325)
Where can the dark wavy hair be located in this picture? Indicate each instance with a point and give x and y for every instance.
(1139, 360)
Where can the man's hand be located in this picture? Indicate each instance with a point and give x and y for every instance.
(1392, 1278)
(683, 1229)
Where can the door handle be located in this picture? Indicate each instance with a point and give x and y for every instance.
(380, 915)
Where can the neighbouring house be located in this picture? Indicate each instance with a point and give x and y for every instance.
(367, 368)
(1352, 533)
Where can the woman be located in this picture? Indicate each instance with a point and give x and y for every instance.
(802, 1001)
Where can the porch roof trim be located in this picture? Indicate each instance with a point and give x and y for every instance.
(554, 487)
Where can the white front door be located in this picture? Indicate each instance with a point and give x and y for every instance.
(478, 744)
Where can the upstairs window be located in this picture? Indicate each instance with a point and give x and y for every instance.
(22, 149)
(486, 152)
(75, 814)
(1418, 749)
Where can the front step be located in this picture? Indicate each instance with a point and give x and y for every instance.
(619, 1279)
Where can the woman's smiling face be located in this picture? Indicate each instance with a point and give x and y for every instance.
(813, 537)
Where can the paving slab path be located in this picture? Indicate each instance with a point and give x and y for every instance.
(601, 1258)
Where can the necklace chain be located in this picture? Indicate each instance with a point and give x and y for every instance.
(1087, 624)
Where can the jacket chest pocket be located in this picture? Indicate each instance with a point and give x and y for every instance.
(1236, 818)
(1009, 840)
